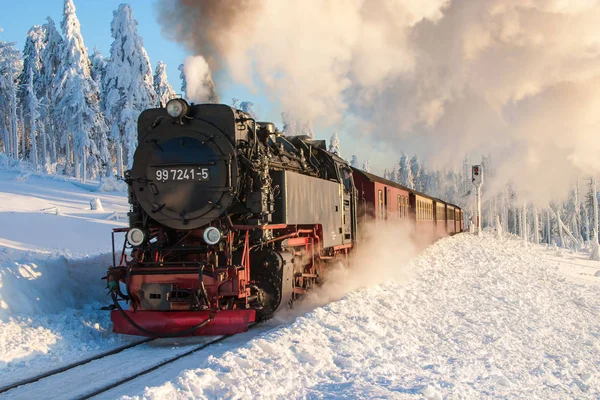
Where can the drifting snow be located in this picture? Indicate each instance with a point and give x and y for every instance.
(480, 317)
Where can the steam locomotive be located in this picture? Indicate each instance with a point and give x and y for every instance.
(230, 220)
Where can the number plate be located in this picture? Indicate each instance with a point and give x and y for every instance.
(198, 174)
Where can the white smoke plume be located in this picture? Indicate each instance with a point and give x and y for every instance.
(516, 79)
(383, 255)
(199, 84)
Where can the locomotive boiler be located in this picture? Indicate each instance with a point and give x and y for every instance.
(229, 220)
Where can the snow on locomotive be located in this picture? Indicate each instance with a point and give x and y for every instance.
(230, 221)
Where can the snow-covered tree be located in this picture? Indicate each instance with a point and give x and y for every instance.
(295, 127)
(129, 84)
(77, 97)
(415, 170)
(51, 58)
(334, 144)
(393, 176)
(536, 226)
(5, 137)
(354, 161)
(366, 166)
(33, 105)
(595, 254)
(10, 67)
(35, 89)
(162, 87)
(405, 177)
(33, 63)
(98, 68)
(386, 174)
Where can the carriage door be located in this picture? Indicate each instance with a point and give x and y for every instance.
(347, 204)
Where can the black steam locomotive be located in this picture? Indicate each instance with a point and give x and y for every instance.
(229, 221)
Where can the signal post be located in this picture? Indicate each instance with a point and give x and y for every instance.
(477, 179)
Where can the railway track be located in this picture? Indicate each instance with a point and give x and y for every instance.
(96, 375)
(68, 367)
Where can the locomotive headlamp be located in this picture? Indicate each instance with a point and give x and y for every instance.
(211, 235)
(136, 237)
(177, 108)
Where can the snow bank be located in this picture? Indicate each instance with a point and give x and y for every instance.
(53, 253)
(50, 306)
(31, 283)
(480, 317)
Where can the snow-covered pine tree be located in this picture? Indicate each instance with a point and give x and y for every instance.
(5, 137)
(21, 129)
(32, 63)
(415, 169)
(77, 97)
(307, 129)
(525, 230)
(393, 176)
(33, 88)
(33, 105)
(366, 166)
(162, 87)
(386, 174)
(128, 83)
(334, 144)
(98, 68)
(451, 188)
(595, 253)
(292, 126)
(424, 180)
(585, 218)
(11, 65)
(466, 183)
(548, 227)
(405, 174)
(576, 220)
(536, 226)
(51, 57)
(354, 161)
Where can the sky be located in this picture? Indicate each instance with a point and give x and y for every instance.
(95, 17)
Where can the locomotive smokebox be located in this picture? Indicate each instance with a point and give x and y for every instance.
(184, 173)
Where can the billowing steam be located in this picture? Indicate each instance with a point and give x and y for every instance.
(199, 84)
(383, 255)
(517, 79)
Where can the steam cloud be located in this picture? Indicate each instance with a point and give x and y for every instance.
(384, 252)
(200, 87)
(518, 79)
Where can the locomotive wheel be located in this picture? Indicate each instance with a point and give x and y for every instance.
(270, 297)
(270, 269)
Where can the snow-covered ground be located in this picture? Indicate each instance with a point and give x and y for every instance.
(469, 317)
(53, 251)
(473, 317)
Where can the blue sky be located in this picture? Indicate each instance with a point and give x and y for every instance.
(17, 17)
